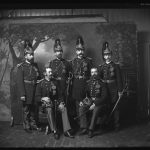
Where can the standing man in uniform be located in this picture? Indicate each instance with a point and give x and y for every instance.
(47, 91)
(27, 75)
(95, 102)
(61, 72)
(61, 69)
(110, 73)
(81, 67)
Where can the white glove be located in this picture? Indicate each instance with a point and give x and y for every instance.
(92, 107)
(61, 106)
(45, 99)
(23, 98)
(81, 104)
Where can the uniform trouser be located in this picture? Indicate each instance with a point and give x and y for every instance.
(115, 116)
(28, 116)
(50, 117)
(83, 119)
(52, 121)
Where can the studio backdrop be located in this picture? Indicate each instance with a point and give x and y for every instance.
(121, 37)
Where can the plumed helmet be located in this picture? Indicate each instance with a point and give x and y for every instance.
(28, 47)
(57, 45)
(105, 49)
(27, 43)
(80, 43)
(28, 50)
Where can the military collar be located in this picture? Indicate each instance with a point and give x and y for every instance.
(46, 79)
(27, 62)
(108, 62)
(80, 58)
(59, 59)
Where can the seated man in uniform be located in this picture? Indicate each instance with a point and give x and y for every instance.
(47, 92)
(95, 100)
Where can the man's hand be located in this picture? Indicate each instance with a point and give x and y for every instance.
(81, 104)
(23, 98)
(45, 99)
(61, 106)
(92, 107)
(120, 94)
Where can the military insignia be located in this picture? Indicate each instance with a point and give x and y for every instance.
(64, 71)
(112, 69)
(53, 87)
(54, 92)
(97, 91)
(97, 86)
(18, 65)
(84, 64)
(85, 68)
(112, 73)
(35, 68)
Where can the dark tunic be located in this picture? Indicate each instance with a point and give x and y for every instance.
(61, 69)
(111, 75)
(97, 89)
(81, 71)
(27, 76)
(47, 88)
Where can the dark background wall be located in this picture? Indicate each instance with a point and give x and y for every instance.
(139, 17)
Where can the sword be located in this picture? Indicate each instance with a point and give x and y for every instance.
(81, 114)
(125, 88)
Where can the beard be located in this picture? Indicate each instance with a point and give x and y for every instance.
(94, 76)
(31, 60)
(59, 56)
(80, 55)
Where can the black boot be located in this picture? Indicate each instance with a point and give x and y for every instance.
(90, 134)
(83, 131)
(56, 135)
(68, 134)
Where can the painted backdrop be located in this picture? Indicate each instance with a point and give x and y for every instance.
(121, 38)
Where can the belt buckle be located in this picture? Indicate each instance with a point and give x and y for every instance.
(80, 77)
(93, 98)
(59, 78)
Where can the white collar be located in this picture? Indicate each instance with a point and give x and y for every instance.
(108, 62)
(27, 62)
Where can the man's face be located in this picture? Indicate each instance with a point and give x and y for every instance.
(107, 57)
(58, 54)
(80, 53)
(94, 72)
(48, 72)
(29, 57)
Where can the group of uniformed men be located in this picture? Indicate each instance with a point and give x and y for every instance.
(90, 89)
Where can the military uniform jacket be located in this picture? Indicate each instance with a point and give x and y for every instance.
(81, 73)
(97, 89)
(27, 75)
(60, 68)
(111, 71)
(47, 88)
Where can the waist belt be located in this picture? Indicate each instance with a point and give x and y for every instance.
(108, 81)
(59, 78)
(79, 77)
(29, 82)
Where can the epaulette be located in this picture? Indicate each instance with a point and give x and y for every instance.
(38, 81)
(18, 65)
(51, 60)
(68, 60)
(89, 58)
(101, 64)
(88, 81)
(117, 63)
